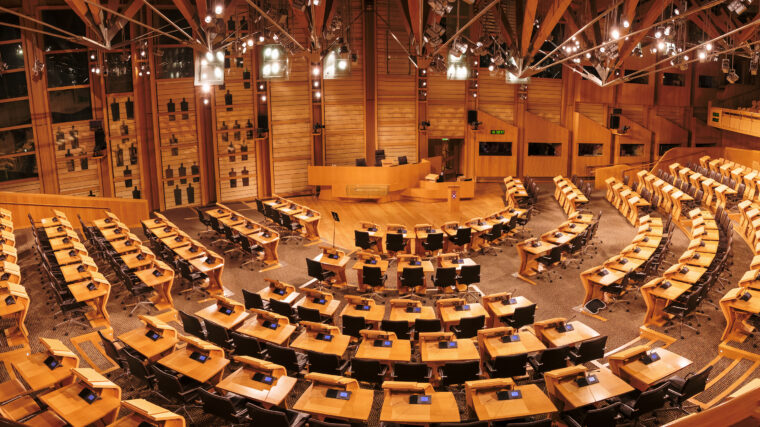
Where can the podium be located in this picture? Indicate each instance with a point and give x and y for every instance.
(453, 198)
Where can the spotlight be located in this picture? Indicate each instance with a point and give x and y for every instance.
(657, 34)
(725, 65)
(207, 19)
(626, 24)
(458, 68)
(218, 9)
(274, 62)
(263, 98)
(615, 33)
(708, 46)
(668, 29)
(702, 56)
(732, 77)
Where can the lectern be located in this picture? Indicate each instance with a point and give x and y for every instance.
(453, 199)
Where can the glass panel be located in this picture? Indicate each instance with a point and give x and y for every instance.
(631, 150)
(590, 150)
(177, 62)
(70, 105)
(708, 82)
(672, 79)
(666, 147)
(640, 80)
(65, 19)
(18, 168)
(14, 113)
(8, 33)
(13, 55)
(495, 148)
(16, 141)
(13, 85)
(119, 69)
(175, 16)
(544, 149)
(67, 69)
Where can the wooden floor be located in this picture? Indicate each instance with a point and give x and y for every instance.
(488, 199)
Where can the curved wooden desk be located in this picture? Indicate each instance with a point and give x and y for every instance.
(383, 184)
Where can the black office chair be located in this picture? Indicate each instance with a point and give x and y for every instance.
(546, 422)
(292, 228)
(287, 357)
(433, 243)
(507, 366)
(599, 417)
(326, 363)
(426, 325)
(183, 392)
(253, 300)
(554, 256)
(589, 350)
(247, 346)
(254, 252)
(361, 162)
(549, 360)
(469, 326)
(445, 279)
(316, 423)
(315, 270)
(283, 309)
(491, 237)
(414, 372)
(647, 402)
(399, 327)
(411, 278)
(457, 373)
(309, 314)
(218, 335)
(462, 238)
(192, 325)
(116, 354)
(682, 310)
(680, 390)
(362, 240)
(402, 160)
(469, 275)
(369, 371)
(394, 242)
(276, 417)
(373, 277)
(231, 409)
(353, 324)
(138, 370)
(205, 220)
(522, 316)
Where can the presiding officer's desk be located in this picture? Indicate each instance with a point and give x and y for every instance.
(383, 184)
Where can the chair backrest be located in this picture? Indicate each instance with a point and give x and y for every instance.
(602, 417)
(546, 422)
(470, 326)
(445, 276)
(469, 274)
(168, 384)
(361, 239)
(352, 325)
(434, 241)
(267, 417)
(281, 308)
(652, 399)
(695, 384)
(426, 325)
(412, 276)
(317, 423)
(592, 349)
(218, 334)
(192, 325)
(524, 315)
(367, 371)
(110, 348)
(201, 217)
(408, 371)
(463, 235)
(252, 300)
(309, 314)
(460, 372)
(245, 345)
(217, 405)
(324, 363)
(510, 366)
(360, 162)
(402, 160)
(136, 367)
(372, 276)
(553, 358)
(399, 327)
(284, 356)
(314, 269)
(260, 206)
(394, 242)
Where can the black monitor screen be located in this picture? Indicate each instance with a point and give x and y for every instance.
(51, 362)
(88, 395)
(153, 335)
(200, 357)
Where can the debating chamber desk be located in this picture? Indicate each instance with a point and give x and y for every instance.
(380, 183)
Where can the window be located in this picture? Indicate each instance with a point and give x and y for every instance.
(119, 72)
(175, 16)
(67, 69)
(631, 150)
(590, 150)
(65, 19)
(642, 79)
(672, 79)
(707, 144)
(17, 149)
(70, 105)
(544, 149)
(176, 63)
(708, 82)
(666, 147)
(497, 148)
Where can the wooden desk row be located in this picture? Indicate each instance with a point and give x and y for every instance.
(625, 199)
(307, 217)
(742, 303)
(265, 237)
(741, 174)
(714, 193)
(194, 252)
(749, 224)
(672, 200)
(14, 300)
(568, 195)
(649, 240)
(533, 248)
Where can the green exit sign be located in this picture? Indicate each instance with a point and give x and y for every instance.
(497, 132)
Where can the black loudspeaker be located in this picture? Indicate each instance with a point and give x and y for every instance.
(617, 111)
(100, 140)
(472, 116)
(614, 122)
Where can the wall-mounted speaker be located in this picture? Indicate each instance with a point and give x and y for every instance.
(614, 122)
(472, 116)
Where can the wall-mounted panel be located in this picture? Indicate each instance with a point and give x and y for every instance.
(545, 98)
(496, 97)
(591, 145)
(446, 108)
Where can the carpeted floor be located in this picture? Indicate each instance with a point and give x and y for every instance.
(558, 298)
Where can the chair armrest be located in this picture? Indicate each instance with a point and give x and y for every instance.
(626, 410)
(534, 363)
(344, 365)
(571, 421)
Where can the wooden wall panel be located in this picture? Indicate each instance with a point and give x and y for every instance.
(397, 117)
(22, 186)
(545, 98)
(667, 132)
(344, 118)
(636, 113)
(677, 115)
(588, 131)
(125, 146)
(593, 111)
(291, 130)
(538, 129)
(78, 170)
(495, 97)
(446, 108)
(637, 135)
(495, 168)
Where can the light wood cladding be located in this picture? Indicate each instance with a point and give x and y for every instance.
(495, 97)
(179, 142)
(545, 98)
(235, 132)
(495, 168)
(291, 132)
(22, 186)
(637, 135)
(595, 112)
(667, 132)
(397, 122)
(674, 114)
(124, 146)
(78, 171)
(344, 118)
(538, 129)
(588, 131)
(446, 110)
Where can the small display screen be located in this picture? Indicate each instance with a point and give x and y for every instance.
(362, 307)
(200, 357)
(324, 337)
(279, 291)
(372, 261)
(210, 260)
(338, 394)
(266, 379)
(91, 286)
(88, 395)
(225, 310)
(465, 307)
(157, 273)
(270, 325)
(318, 300)
(153, 335)
(650, 357)
(372, 229)
(333, 256)
(510, 338)
(508, 394)
(509, 301)
(415, 263)
(51, 362)
(587, 380)
(9, 300)
(565, 327)
(420, 399)
(80, 268)
(447, 344)
(413, 309)
(383, 343)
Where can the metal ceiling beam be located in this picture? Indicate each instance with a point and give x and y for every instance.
(466, 26)
(276, 25)
(552, 17)
(654, 12)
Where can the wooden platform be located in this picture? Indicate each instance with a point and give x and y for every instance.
(428, 191)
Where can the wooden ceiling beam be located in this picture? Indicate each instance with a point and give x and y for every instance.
(83, 12)
(413, 12)
(552, 17)
(655, 9)
(507, 32)
(529, 17)
(189, 13)
(598, 37)
(572, 25)
(120, 22)
(202, 7)
(303, 20)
